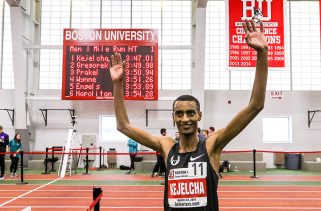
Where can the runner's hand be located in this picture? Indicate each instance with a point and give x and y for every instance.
(117, 67)
(254, 38)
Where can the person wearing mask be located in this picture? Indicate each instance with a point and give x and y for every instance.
(15, 147)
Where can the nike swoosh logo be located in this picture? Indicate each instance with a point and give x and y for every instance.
(192, 159)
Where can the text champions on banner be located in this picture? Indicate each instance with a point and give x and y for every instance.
(87, 59)
(240, 55)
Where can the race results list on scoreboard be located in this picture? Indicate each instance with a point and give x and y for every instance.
(87, 60)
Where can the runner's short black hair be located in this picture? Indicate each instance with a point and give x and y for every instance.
(187, 98)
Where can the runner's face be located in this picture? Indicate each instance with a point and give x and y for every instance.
(186, 117)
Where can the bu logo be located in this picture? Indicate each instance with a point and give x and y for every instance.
(250, 7)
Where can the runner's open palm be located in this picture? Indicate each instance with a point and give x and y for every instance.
(117, 67)
(254, 38)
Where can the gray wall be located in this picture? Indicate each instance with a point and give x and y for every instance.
(6, 102)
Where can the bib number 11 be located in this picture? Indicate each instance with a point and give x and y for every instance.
(197, 169)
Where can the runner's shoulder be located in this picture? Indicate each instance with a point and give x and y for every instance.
(167, 142)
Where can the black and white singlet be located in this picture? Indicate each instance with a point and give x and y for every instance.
(190, 182)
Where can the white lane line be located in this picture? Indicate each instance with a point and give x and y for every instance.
(29, 192)
(151, 191)
(116, 185)
(80, 207)
(273, 208)
(161, 198)
(52, 197)
(75, 190)
(47, 207)
(162, 186)
(221, 207)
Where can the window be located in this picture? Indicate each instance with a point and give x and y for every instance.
(305, 46)
(2, 3)
(176, 64)
(55, 16)
(173, 19)
(216, 75)
(277, 130)
(148, 14)
(108, 129)
(51, 67)
(85, 14)
(6, 49)
(176, 22)
(116, 14)
(176, 69)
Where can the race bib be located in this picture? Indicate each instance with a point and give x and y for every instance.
(187, 186)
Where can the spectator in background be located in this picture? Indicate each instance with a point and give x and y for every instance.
(4, 142)
(15, 147)
(211, 130)
(200, 134)
(132, 149)
(205, 134)
(177, 136)
(160, 163)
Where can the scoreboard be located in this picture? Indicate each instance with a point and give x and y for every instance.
(87, 60)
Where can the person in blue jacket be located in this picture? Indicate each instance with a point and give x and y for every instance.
(132, 149)
(15, 147)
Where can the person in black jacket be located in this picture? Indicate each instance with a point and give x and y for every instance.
(4, 142)
(160, 163)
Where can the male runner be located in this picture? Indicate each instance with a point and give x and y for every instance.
(192, 166)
